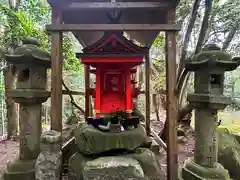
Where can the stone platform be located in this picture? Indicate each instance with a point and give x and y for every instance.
(90, 140)
(139, 165)
(113, 156)
(193, 171)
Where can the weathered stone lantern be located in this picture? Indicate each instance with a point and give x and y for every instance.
(32, 64)
(209, 67)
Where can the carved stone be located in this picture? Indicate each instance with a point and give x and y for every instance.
(30, 93)
(49, 161)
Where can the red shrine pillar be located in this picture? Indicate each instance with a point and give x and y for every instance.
(98, 93)
(128, 93)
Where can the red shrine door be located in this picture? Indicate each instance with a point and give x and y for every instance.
(113, 96)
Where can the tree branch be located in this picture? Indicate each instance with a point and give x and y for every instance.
(184, 74)
(184, 111)
(193, 17)
(230, 36)
(72, 99)
(205, 25)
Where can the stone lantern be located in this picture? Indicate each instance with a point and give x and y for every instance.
(209, 67)
(32, 64)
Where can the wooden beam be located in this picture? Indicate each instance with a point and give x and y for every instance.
(147, 94)
(73, 92)
(172, 103)
(113, 27)
(112, 5)
(80, 55)
(87, 88)
(56, 74)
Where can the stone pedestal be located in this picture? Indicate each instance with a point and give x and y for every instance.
(113, 156)
(30, 130)
(49, 162)
(194, 171)
(205, 144)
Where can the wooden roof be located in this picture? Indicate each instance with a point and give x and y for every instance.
(93, 15)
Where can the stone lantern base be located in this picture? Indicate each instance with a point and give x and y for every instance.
(193, 171)
(20, 170)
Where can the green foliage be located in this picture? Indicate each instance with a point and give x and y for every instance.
(116, 117)
(29, 20)
(160, 79)
(159, 41)
(71, 62)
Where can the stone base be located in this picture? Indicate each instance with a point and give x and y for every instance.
(193, 171)
(113, 168)
(20, 170)
(143, 160)
(91, 141)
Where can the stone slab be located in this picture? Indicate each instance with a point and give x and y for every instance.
(144, 156)
(90, 140)
(148, 162)
(20, 170)
(76, 165)
(113, 168)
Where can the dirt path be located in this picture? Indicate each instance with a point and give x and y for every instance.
(8, 152)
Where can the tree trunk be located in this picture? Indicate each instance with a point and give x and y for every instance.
(230, 36)
(184, 75)
(12, 108)
(191, 22)
(155, 105)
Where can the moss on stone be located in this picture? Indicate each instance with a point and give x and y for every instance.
(32, 50)
(229, 153)
(21, 166)
(232, 129)
(204, 55)
(76, 165)
(20, 169)
(91, 141)
(148, 162)
(191, 170)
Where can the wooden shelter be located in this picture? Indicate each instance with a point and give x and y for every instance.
(141, 20)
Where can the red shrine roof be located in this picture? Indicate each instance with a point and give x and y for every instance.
(113, 44)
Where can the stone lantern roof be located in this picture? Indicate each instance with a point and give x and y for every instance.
(212, 57)
(30, 53)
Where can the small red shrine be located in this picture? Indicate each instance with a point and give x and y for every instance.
(114, 59)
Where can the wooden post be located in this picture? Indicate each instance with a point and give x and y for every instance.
(98, 93)
(128, 93)
(56, 74)
(172, 104)
(147, 94)
(87, 89)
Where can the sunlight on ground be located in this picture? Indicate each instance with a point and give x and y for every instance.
(230, 120)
